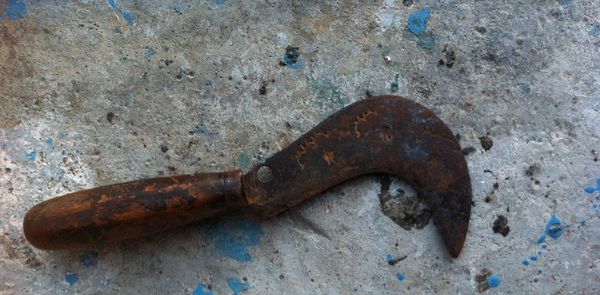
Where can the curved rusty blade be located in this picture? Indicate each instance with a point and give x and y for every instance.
(386, 134)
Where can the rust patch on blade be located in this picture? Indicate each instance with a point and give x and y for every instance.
(329, 158)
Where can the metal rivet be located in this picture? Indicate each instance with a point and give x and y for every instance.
(264, 174)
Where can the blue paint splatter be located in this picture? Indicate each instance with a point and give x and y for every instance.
(591, 189)
(417, 21)
(149, 52)
(292, 58)
(493, 281)
(232, 237)
(49, 142)
(200, 290)
(525, 262)
(389, 259)
(31, 156)
(129, 18)
(236, 286)
(127, 15)
(394, 86)
(355, 289)
(89, 259)
(16, 9)
(71, 278)
(400, 277)
(177, 10)
(189, 5)
(417, 24)
(553, 227)
(533, 258)
(541, 238)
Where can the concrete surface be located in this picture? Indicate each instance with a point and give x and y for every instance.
(98, 92)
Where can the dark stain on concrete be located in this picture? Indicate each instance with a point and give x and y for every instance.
(486, 142)
(481, 280)
(501, 225)
(468, 150)
(533, 169)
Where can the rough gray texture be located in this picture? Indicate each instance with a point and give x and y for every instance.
(87, 99)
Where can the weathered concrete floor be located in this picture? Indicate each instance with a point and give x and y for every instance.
(99, 92)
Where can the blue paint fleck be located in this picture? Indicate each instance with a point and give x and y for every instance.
(236, 286)
(583, 222)
(553, 227)
(127, 15)
(525, 262)
(149, 52)
(16, 9)
(232, 236)
(31, 156)
(71, 278)
(293, 65)
(417, 21)
(394, 85)
(591, 189)
(200, 290)
(389, 259)
(541, 238)
(177, 9)
(355, 289)
(493, 281)
(533, 258)
(189, 5)
(400, 277)
(89, 259)
(49, 142)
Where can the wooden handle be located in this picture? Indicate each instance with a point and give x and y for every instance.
(132, 209)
